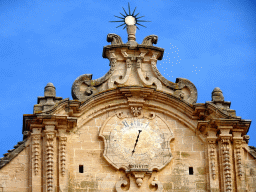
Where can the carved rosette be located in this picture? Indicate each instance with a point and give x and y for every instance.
(238, 158)
(36, 149)
(49, 161)
(63, 141)
(212, 159)
(226, 164)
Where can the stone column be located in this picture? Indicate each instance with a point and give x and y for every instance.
(213, 160)
(225, 159)
(36, 162)
(50, 175)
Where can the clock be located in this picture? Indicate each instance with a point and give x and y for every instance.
(137, 143)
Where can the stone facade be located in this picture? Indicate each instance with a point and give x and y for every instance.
(91, 143)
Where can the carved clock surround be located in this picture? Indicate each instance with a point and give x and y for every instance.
(153, 151)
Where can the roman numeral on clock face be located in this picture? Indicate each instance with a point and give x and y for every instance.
(125, 123)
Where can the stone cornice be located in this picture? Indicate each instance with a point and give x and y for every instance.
(40, 120)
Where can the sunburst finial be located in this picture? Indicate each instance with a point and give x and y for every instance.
(130, 18)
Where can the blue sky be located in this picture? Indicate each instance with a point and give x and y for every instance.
(211, 43)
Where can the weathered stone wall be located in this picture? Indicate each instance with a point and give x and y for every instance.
(250, 172)
(14, 176)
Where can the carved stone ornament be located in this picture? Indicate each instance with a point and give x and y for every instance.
(137, 145)
(226, 164)
(136, 111)
(49, 162)
(238, 158)
(63, 141)
(36, 151)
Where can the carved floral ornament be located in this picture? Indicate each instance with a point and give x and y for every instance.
(137, 145)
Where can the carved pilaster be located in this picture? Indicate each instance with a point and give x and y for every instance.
(36, 151)
(238, 158)
(238, 161)
(35, 166)
(50, 135)
(226, 164)
(63, 141)
(212, 155)
(212, 160)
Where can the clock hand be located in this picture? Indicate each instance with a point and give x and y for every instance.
(136, 141)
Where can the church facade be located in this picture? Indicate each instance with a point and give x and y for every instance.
(131, 130)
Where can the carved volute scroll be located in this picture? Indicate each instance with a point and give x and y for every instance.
(114, 39)
(149, 79)
(119, 79)
(150, 40)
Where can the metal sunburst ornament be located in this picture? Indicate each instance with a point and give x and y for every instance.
(130, 19)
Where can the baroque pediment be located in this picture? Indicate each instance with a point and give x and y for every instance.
(133, 65)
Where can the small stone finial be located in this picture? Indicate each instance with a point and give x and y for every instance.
(217, 95)
(49, 99)
(49, 90)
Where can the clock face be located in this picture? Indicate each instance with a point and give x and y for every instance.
(136, 140)
(137, 143)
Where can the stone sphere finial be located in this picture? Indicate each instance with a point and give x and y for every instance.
(217, 94)
(49, 90)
